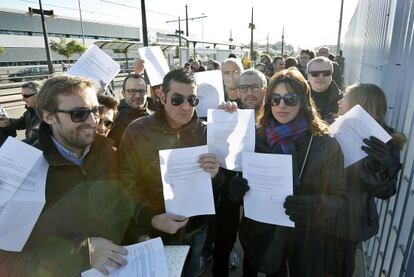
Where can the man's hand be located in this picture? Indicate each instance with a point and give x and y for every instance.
(139, 67)
(103, 252)
(168, 223)
(209, 163)
(4, 122)
(229, 106)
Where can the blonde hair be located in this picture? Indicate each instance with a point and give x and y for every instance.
(47, 98)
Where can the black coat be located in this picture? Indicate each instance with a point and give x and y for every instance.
(81, 202)
(305, 250)
(327, 102)
(139, 167)
(30, 122)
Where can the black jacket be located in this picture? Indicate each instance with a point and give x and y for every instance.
(81, 202)
(30, 122)
(327, 102)
(323, 176)
(126, 115)
(139, 166)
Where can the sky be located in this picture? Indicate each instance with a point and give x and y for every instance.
(307, 23)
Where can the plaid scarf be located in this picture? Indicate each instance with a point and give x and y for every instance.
(285, 134)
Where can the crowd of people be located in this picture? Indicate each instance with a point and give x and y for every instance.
(104, 187)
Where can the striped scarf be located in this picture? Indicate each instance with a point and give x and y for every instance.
(285, 134)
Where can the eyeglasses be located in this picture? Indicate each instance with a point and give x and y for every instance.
(28, 95)
(178, 99)
(133, 91)
(245, 88)
(81, 114)
(106, 122)
(324, 73)
(290, 99)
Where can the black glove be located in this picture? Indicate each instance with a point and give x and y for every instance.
(305, 210)
(237, 189)
(378, 154)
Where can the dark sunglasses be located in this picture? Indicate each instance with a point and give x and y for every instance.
(178, 99)
(81, 114)
(324, 73)
(290, 99)
(133, 91)
(106, 122)
(28, 95)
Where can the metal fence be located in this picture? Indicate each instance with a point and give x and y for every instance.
(379, 48)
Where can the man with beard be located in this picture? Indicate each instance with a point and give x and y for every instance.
(231, 69)
(325, 92)
(29, 121)
(86, 213)
(133, 106)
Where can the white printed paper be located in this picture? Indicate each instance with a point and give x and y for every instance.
(270, 178)
(95, 64)
(156, 65)
(350, 130)
(187, 187)
(230, 134)
(209, 90)
(23, 172)
(145, 259)
(176, 255)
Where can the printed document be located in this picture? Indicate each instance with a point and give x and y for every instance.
(351, 128)
(209, 90)
(156, 65)
(187, 187)
(23, 171)
(145, 259)
(176, 255)
(95, 64)
(270, 178)
(230, 134)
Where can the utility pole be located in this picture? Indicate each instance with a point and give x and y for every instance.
(186, 20)
(231, 39)
(144, 24)
(338, 45)
(283, 38)
(251, 27)
(267, 43)
(81, 22)
(45, 37)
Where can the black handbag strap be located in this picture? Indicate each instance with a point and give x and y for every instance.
(306, 157)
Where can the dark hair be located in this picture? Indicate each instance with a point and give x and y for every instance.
(231, 55)
(309, 52)
(331, 57)
(108, 102)
(134, 76)
(295, 82)
(215, 64)
(180, 75)
(275, 59)
(34, 86)
(290, 62)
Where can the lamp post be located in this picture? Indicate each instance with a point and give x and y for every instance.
(338, 45)
(81, 22)
(251, 27)
(144, 24)
(42, 14)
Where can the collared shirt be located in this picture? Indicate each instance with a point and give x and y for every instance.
(69, 155)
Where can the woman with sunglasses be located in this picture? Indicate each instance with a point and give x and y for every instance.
(372, 177)
(289, 124)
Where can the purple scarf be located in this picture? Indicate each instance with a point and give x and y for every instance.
(285, 134)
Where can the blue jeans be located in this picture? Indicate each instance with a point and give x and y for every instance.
(192, 263)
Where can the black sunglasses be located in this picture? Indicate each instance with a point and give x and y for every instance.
(106, 122)
(28, 95)
(133, 91)
(290, 99)
(81, 114)
(178, 99)
(324, 73)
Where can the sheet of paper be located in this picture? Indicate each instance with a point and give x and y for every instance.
(156, 65)
(145, 259)
(187, 188)
(209, 90)
(95, 64)
(350, 130)
(176, 255)
(230, 134)
(23, 173)
(270, 178)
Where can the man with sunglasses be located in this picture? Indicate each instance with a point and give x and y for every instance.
(108, 115)
(175, 125)
(29, 121)
(325, 92)
(86, 212)
(133, 106)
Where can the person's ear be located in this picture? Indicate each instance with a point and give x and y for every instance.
(163, 98)
(48, 117)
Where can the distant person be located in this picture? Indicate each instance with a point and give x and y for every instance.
(133, 106)
(261, 67)
(325, 92)
(4, 133)
(305, 56)
(64, 67)
(231, 70)
(213, 65)
(324, 52)
(291, 62)
(278, 64)
(29, 121)
(233, 56)
(108, 113)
